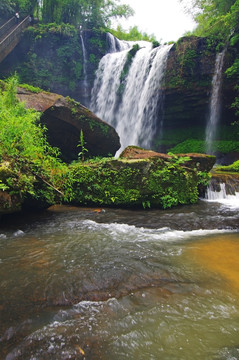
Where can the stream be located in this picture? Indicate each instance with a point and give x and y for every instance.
(83, 283)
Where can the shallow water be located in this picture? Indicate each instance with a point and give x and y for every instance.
(121, 284)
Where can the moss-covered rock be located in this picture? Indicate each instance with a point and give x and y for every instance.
(154, 180)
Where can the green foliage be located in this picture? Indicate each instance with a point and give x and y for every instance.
(26, 7)
(31, 88)
(6, 8)
(215, 17)
(187, 59)
(133, 34)
(230, 168)
(92, 58)
(42, 30)
(199, 146)
(233, 72)
(35, 167)
(87, 13)
(81, 145)
(48, 44)
(96, 41)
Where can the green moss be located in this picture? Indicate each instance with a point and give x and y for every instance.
(230, 168)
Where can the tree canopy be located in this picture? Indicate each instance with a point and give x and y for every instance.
(219, 18)
(87, 13)
(6, 8)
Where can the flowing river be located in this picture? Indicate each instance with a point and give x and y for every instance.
(79, 283)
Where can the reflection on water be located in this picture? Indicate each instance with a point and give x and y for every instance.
(221, 256)
(116, 284)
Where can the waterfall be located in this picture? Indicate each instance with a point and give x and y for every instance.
(85, 80)
(131, 102)
(215, 102)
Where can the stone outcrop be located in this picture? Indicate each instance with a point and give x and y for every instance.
(65, 118)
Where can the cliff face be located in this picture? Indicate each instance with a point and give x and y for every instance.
(58, 59)
(187, 89)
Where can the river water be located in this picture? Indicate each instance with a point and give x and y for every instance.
(79, 283)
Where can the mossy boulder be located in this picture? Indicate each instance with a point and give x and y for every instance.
(148, 180)
(65, 118)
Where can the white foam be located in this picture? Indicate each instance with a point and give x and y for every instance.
(222, 197)
(137, 234)
(18, 233)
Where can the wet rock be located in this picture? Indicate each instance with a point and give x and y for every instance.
(65, 118)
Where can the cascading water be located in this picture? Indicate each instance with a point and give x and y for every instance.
(132, 103)
(85, 80)
(222, 195)
(115, 44)
(215, 102)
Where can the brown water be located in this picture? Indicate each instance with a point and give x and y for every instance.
(119, 284)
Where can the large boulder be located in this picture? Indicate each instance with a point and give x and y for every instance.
(65, 118)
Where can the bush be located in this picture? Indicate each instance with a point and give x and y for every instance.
(35, 165)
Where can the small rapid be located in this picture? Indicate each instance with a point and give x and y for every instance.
(221, 196)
